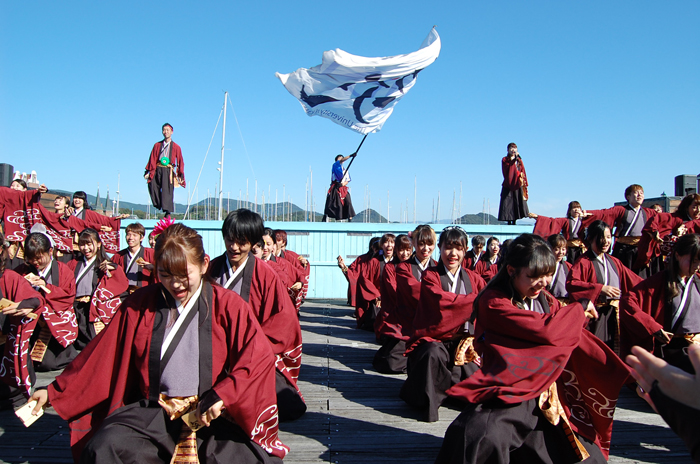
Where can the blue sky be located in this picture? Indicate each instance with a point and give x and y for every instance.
(597, 95)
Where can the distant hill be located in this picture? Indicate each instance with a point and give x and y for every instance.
(479, 218)
(369, 215)
(272, 212)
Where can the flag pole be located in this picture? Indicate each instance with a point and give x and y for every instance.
(358, 149)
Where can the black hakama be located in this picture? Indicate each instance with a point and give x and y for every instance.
(487, 432)
(513, 205)
(435, 363)
(389, 359)
(338, 203)
(143, 434)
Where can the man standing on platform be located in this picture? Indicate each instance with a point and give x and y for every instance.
(338, 202)
(165, 171)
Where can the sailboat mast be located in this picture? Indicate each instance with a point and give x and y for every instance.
(221, 168)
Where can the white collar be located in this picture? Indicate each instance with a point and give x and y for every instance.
(454, 278)
(76, 212)
(420, 266)
(182, 311)
(387, 260)
(235, 273)
(46, 270)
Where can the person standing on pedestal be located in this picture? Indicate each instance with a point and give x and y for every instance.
(514, 190)
(165, 170)
(338, 202)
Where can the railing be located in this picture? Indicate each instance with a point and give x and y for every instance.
(321, 243)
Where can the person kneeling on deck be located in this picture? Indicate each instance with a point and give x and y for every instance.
(440, 352)
(182, 348)
(532, 399)
(238, 270)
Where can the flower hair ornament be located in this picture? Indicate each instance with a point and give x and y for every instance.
(162, 225)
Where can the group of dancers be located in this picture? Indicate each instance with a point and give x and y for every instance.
(529, 336)
(153, 334)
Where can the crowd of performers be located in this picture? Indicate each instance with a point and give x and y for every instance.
(519, 334)
(152, 334)
(529, 335)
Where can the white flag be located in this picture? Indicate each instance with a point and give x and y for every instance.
(359, 92)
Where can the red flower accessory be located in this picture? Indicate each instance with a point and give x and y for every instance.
(162, 225)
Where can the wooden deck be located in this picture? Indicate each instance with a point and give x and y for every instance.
(354, 414)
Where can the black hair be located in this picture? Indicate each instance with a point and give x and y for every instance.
(487, 250)
(3, 253)
(688, 244)
(478, 240)
(339, 157)
(595, 234)
(83, 196)
(36, 244)
(169, 125)
(243, 225)
(453, 236)
(529, 253)
(90, 235)
(20, 182)
(373, 245)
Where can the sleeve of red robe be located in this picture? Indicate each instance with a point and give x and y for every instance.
(385, 323)
(14, 365)
(106, 299)
(153, 161)
(58, 311)
(408, 296)
(546, 226)
(441, 314)
(609, 216)
(176, 154)
(661, 224)
(642, 313)
(277, 317)
(582, 281)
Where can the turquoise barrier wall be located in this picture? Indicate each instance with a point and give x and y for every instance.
(321, 243)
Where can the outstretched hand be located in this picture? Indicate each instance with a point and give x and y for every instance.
(673, 382)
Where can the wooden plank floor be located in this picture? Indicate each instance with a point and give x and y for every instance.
(354, 414)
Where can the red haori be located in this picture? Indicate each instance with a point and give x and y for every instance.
(441, 314)
(14, 368)
(523, 352)
(58, 312)
(106, 298)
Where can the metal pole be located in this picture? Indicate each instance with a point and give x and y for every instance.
(221, 168)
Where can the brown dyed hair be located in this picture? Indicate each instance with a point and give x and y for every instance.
(280, 235)
(572, 205)
(556, 240)
(633, 188)
(385, 238)
(89, 236)
(511, 144)
(403, 243)
(136, 228)
(424, 234)
(686, 203)
(175, 246)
